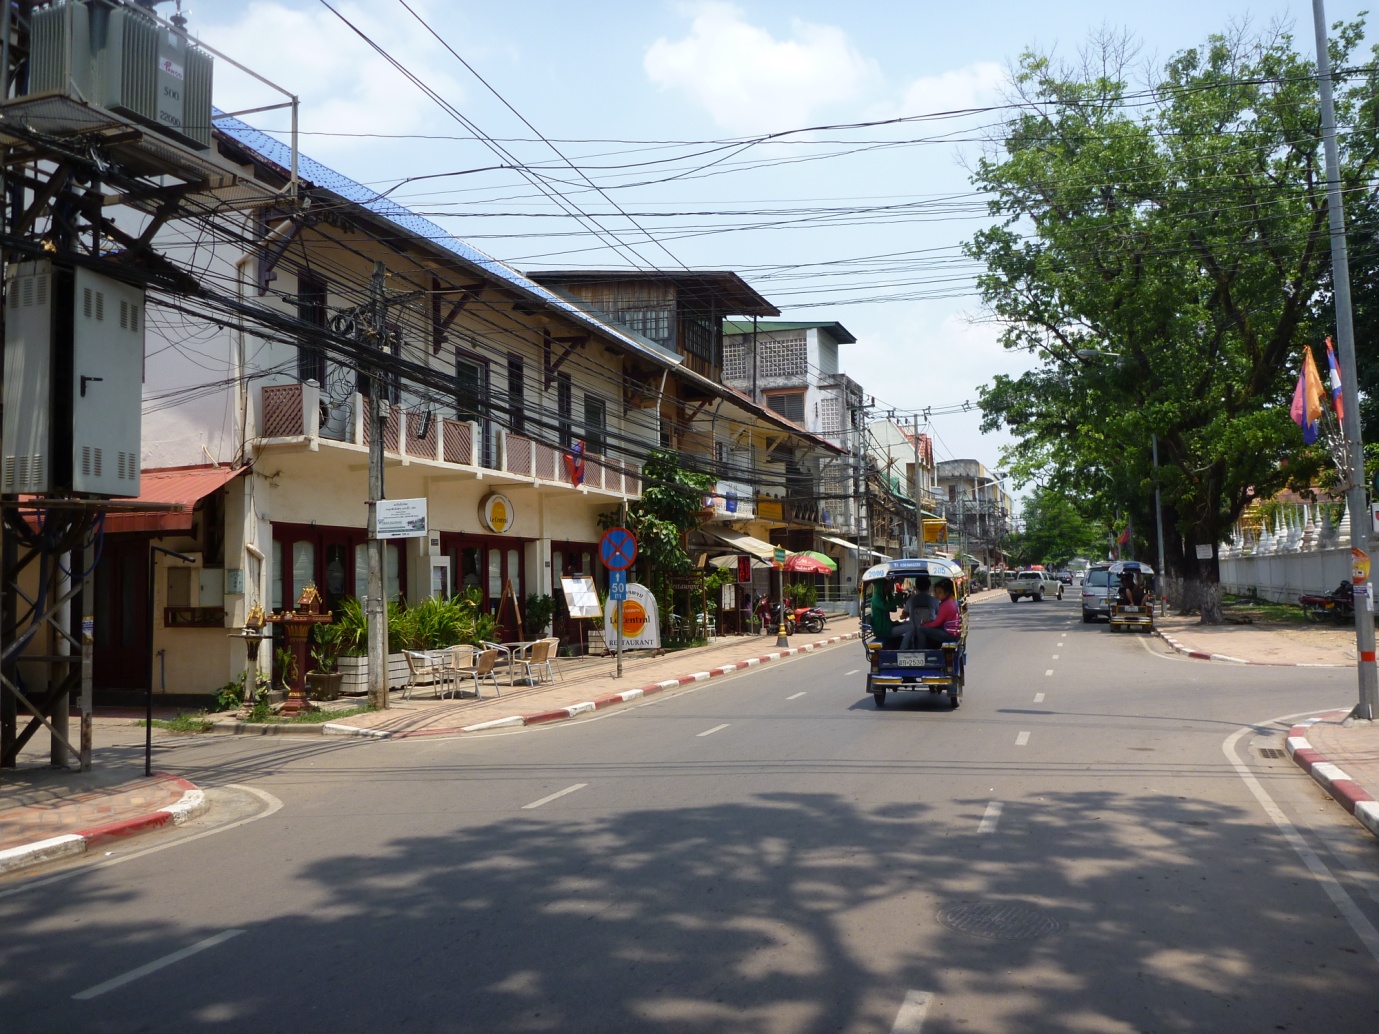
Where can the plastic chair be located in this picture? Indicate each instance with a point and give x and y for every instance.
(482, 668)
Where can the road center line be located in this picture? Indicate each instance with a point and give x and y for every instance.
(1049, 671)
(854, 671)
(910, 1018)
(792, 696)
(710, 732)
(1054, 657)
(1038, 698)
(1022, 739)
(992, 816)
(554, 796)
(155, 965)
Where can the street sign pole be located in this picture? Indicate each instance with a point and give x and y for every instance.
(1354, 472)
(622, 519)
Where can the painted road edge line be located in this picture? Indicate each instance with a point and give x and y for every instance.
(991, 817)
(910, 1018)
(1201, 655)
(1333, 779)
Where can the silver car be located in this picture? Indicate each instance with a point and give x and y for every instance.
(1097, 593)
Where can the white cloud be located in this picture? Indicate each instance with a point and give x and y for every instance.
(974, 86)
(343, 84)
(748, 80)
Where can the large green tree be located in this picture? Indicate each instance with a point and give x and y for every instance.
(1178, 230)
(1054, 531)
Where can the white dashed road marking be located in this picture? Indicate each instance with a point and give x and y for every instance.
(155, 965)
(710, 732)
(1022, 739)
(794, 696)
(1038, 698)
(854, 671)
(1049, 672)
(910, 1018)
(992, 816)
(554, 796)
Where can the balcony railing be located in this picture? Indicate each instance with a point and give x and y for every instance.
(293, 412)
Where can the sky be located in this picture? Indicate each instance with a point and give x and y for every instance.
(628, 134)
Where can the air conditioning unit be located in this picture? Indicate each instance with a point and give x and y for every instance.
(118, 58)
(74, 354)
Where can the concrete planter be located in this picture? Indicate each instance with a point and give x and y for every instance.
(321, 685)
(355, 672)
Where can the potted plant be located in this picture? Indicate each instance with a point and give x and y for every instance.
(323, 681)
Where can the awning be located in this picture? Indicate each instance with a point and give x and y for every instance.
(879, 556)
(741, 542)
(176, 490)
(841, 542)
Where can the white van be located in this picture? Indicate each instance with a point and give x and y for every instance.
(1097, 593)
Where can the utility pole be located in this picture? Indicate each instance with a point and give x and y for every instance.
(920, 550)
(1159, 526)
(377, 611)
(1356, 503)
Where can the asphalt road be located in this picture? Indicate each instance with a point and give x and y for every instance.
(1095, 841)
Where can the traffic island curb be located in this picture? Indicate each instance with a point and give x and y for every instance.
(1350, 794)
(192, 803)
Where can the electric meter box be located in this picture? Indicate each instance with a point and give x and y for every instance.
(74, 355)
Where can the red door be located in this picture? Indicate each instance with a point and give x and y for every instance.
(120, 610)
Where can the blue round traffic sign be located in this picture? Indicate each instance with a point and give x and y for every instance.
(618, 549)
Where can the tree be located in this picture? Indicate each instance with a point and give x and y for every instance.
(1179, 231)
(1055, 531)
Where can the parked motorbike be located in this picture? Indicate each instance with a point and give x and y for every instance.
(810, 619)
(1339, 604)
(768, 615)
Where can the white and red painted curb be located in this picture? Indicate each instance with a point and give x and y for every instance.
(1202, 655)
(191, 804)
(1352, 796)
(586, 706)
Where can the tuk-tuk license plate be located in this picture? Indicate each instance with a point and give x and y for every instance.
(919, 659)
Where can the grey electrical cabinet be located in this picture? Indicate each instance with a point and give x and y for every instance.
(74, 353)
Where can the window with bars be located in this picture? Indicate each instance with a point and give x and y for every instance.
(656, 323)
(782, 357)
(701, 337)
(789, 404)
(311, 310)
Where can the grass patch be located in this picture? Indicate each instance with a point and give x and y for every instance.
(1259, 611)
(187, 721)
(315, 717)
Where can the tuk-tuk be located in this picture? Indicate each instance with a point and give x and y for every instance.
(1131, 615)
(932, 669)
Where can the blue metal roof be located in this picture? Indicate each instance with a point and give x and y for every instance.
(313, 172)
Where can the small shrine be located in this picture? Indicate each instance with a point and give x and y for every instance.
(297, 624)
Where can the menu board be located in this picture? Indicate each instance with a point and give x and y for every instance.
(581, 597)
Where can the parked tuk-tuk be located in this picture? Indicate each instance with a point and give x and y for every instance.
(933, 669)
(1136, 611)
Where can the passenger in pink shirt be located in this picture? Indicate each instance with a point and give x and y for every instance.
(947, 623)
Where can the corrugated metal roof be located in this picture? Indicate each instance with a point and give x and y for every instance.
(179, 486)
(312, 172)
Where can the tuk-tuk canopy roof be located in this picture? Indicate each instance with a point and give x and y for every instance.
(1133, 567)
(934, 567)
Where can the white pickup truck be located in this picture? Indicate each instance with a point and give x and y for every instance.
(1034, 584)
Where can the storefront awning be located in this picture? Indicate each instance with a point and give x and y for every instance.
(878, 556)
(841, 542)
(741, 542)
(175, 491)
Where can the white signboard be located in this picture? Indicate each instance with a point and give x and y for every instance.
(1204, 552)
(640, 625)
(401, 519)
(581, 597)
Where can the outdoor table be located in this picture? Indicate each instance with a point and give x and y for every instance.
(512, 652)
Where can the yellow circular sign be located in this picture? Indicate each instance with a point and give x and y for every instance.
(633, 619)
(496, 513)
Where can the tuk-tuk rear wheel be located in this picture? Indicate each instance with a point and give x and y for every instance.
(879, 696)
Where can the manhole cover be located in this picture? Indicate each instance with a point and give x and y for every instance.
(1008, 922)
(1272, 752)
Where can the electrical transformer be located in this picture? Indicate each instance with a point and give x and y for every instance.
(74, 354)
